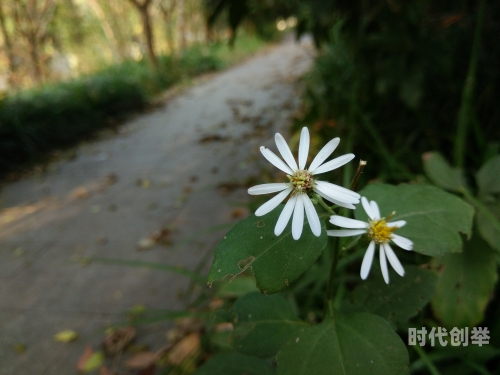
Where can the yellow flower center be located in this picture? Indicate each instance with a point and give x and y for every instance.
(379, 231)
(302, 181)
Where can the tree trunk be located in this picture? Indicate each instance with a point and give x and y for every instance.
(8, 49)
(37, 71)
(114, 43)
(147, 30)
(148, 33)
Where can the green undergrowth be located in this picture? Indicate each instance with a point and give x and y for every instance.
(37, 121)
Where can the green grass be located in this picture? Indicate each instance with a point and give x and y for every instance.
(35, 122)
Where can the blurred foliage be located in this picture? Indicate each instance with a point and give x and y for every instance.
(36, 121)
(394, 74)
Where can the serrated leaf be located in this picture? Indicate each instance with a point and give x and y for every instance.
(234, 363)
(441, 173)
(263, 324)
(353, 344)
(276, 261)
(487, 228)
(398, 301)
(434, 217)
(66, 336)
(488, 176)
(465, 285)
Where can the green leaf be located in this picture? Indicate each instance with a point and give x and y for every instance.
(466, 283)
(434, 217)
(488, 176)
(263, 324)
(441, 173)
(486, 226)
(354, 344)
(234, 363)
(237, 288)
(398, 301)
(275, 261)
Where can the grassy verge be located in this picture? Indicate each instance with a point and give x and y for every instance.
(35, 122)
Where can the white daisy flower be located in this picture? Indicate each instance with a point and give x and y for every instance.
(380, 232)
(302, 182)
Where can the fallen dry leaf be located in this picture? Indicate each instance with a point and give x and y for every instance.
(106, 371)
(143, 183)
(20, 348)
(145, 244)
(141, 361)
(184, 349)
(238, 212)
(224, 327)
(149, 371)
(216, 303)
(66, 336)
(189, 325)
(80, 193)
(118, 339)
(93, 362)
(80, 365)
(110, 179)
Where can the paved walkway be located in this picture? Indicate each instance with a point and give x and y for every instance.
(162, 170)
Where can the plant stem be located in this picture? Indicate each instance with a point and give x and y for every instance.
(465, 111)
(481, 208)
(423, 356)
(354, 182)
(328, 308)
(324, 205)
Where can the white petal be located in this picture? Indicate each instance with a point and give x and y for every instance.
(398, 223)
(383, 264)
(393, 259)
(324, 153)
(285, 151)
(367, 261)
(335, 201)
(333, 164)
(303, 147)
(345, 232)
(345, 222)
(402, 242)
(340, 189)
(298, 219)
(375, 210)
(312, 215)
(368, 209)
(274, 160)
(285, 215)
(271, 204)
(326, 188)
(267, 188)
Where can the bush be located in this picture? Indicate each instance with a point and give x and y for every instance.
(37, 121)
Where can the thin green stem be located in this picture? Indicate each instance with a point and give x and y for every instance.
(481, 208)
(329, 295)
(320, 200)
(354, 182)
(425, 359)
(465, 111)
(351, 130)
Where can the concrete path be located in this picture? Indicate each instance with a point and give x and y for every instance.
(162, 170)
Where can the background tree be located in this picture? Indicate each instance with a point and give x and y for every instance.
(143, 9)
(32, 18)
